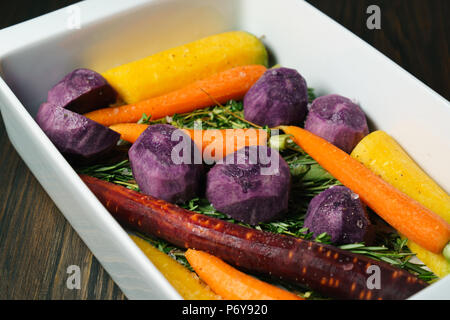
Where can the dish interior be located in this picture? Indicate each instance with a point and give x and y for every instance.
(331, 59)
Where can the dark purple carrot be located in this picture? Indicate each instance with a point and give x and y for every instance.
(330, 271)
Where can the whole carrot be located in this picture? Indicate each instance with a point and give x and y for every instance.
(406, 215)
(230, 283)
(214, 143)
(231, 84)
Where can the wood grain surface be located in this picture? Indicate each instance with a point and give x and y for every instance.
(36, 242)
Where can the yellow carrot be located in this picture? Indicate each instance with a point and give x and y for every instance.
(176, 68)
(188, 285)
(436, 262)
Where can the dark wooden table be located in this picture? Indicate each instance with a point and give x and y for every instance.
(36, 242)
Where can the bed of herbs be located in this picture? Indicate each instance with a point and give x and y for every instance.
(308, 179)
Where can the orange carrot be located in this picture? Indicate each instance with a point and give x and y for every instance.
(129, 131)
(214, 143)
(406, 215)
(217, 143)
(230, 283)
(231, 84)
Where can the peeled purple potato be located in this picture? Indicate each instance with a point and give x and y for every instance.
(338, 212)
(158, 166)
(279, 97)
(248, 187)
(81, 91)
(337, 120)
(76, 137)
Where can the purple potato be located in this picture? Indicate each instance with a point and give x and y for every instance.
(338, 120)
(158, 167)
(252, 185)
(81, 91)
(340, 213)
(78, 138)
(279, 97)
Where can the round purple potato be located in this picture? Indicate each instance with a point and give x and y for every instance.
(78, 138)
(338, 120)
(251, 185)
(81, 91)
(165, 164)
(279, 97)
(338, 212)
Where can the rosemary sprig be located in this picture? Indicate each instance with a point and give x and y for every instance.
(118, 173)
(229, 116)
(398, 256)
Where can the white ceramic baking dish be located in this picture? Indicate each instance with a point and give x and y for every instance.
(35, 54)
